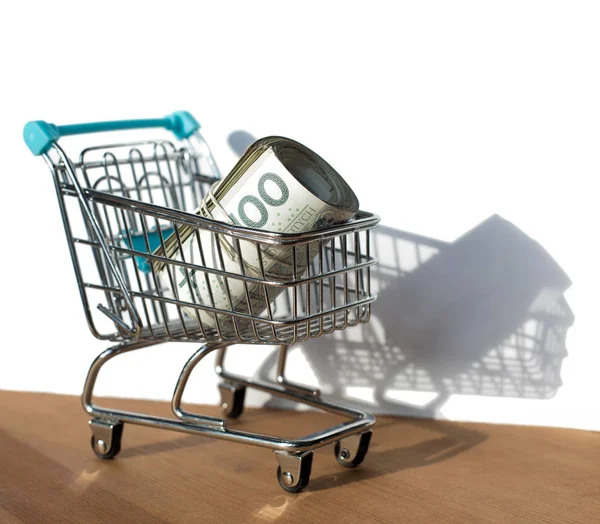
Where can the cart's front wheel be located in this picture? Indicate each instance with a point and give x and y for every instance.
(351, 451)
(298, 477)
(106, 438)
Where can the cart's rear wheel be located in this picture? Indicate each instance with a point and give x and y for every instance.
(232, 399)
(294, 485)
(106, 442)
(351, 451)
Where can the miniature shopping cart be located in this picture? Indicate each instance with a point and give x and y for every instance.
(120, 203)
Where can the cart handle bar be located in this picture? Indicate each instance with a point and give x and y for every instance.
(40, 135)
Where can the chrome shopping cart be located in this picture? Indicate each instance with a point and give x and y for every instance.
(119, 204)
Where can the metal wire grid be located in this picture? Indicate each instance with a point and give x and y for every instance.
(139, 193)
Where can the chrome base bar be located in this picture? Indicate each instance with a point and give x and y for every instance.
(106, 419)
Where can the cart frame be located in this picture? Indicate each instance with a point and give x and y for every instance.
(335, 296)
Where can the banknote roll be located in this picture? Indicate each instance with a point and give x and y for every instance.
(278, 185)
(289, 161)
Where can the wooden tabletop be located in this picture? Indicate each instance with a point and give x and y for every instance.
(416, 471)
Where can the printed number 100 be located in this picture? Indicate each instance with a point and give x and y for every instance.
(260, 204)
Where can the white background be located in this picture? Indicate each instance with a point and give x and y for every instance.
(438, 114)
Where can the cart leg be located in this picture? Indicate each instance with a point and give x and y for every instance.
(90, 381)
(106, 427)
(232, 396)
(281, 361)
(193, 361)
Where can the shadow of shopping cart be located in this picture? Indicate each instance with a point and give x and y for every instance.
(484, 315)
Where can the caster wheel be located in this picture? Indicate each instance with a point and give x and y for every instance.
(351, 451)
(289, 483)
(107, 445)
(232, 400)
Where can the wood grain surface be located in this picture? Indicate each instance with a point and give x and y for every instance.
(416, 471)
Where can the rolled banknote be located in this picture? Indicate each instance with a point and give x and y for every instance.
(278, 185)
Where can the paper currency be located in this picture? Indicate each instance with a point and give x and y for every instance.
(278, 185)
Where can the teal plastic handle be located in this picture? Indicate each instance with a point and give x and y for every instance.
(39, 135)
